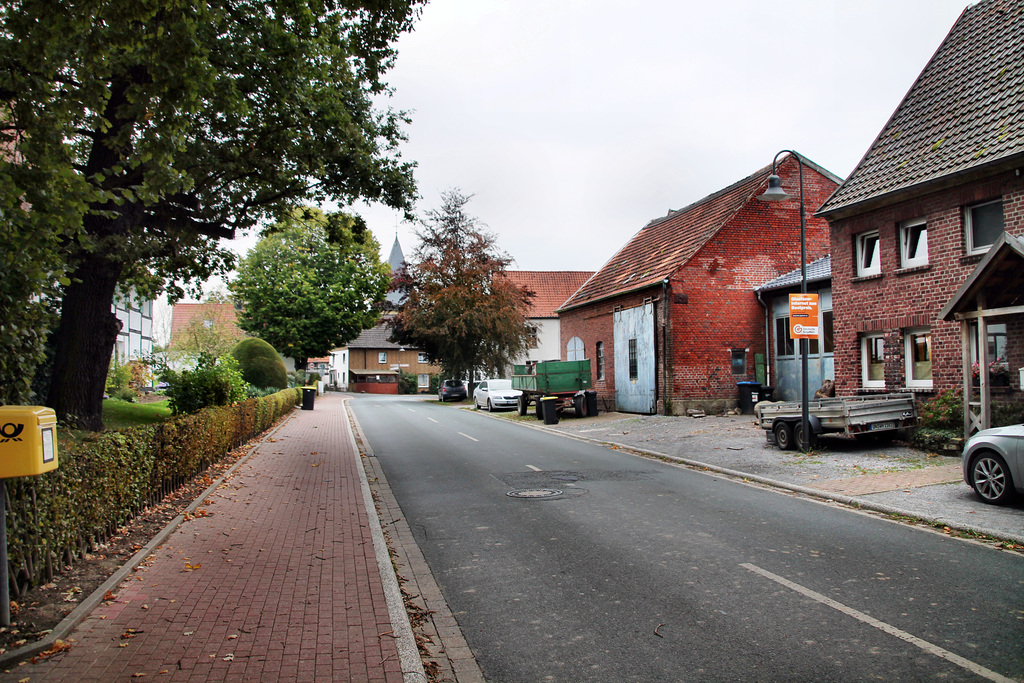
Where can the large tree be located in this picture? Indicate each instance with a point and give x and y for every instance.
(137, 133)
(457, 307)
(311, 284)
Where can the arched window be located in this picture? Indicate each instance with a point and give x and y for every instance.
(574, 349)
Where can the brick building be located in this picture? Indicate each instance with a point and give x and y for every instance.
(936, 189)
(672, 320)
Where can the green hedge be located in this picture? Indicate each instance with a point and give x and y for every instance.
(106, 479)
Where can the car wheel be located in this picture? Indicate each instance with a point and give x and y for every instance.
(490, 406)
(990, 478)
(783, 436)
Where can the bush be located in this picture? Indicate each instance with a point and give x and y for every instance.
(213, 382)
(106, 478)
(260, 364)
(312, 379)
(407, 383)
(945, 411)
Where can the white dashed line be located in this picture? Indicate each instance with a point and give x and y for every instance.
(882, 626)
(468, 437)
(535, 469)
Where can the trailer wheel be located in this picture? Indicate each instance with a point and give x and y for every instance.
(783, 435)
(579, 406)
(798, 440)
(524, 403)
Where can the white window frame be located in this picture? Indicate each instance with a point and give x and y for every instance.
(874, 267)
(920, 256)
(908, 356)
(423, 380)
(969, 227)
(575, 350)
(382, 357)
(865, 362)
(421, 358)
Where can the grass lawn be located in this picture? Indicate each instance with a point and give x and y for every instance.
(121, 414)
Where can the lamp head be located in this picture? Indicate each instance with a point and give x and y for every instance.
(774, 193)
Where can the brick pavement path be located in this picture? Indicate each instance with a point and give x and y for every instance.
(275, 578)
(891, 481)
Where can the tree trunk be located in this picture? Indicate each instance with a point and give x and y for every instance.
(85, 339)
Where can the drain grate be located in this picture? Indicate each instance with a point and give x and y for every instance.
(534, 493)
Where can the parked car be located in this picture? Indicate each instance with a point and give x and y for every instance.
(496, 393)
(452, 390)
(993, 463)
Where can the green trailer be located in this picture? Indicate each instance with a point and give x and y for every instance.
(565, 383)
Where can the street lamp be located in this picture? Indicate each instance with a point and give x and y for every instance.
(775, 193)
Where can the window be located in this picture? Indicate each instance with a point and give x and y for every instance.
(983, 225)
(827, 332)
(913, 243)
(873, 361)
(783, 343)
(421, 358)
(868, 260)
(422, 381)
(634, 369)
(739, 361)
(574, 349)
(382, 357)
(919, 358)
(600, 361)
(532, 331)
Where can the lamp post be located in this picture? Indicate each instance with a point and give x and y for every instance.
(775, 193)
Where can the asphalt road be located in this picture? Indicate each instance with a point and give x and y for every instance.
(644, 571)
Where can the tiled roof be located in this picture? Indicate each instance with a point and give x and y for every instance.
(375, 338)
(816, 271)
(551, 288)
(963, 113)
(182, 316)
(664, 244)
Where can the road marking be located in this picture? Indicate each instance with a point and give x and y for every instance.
(535, 469)
(432, 420)
(882, 626)
(468, 437)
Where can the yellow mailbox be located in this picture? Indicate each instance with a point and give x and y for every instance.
(28, 440)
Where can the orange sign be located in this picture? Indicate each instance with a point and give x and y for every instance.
(803, 316)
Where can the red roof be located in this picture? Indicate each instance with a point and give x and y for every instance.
(551, 288)
(182, 316)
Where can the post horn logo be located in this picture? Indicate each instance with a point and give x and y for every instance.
(11, 432)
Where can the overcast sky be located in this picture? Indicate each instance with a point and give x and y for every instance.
(573, 123)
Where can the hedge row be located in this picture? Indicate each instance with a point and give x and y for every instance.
(106, 479)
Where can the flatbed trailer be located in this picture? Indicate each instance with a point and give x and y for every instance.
(563, 382)
(878, 416)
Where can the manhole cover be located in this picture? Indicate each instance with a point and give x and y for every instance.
(534, 493)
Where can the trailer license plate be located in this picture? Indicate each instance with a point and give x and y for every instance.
(881, 425)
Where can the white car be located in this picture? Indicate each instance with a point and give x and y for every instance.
(496, 393)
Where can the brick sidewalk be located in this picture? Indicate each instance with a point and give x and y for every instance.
(891, 481)
(275, 578)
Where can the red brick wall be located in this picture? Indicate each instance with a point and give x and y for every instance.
(899, 299)
(721, 311)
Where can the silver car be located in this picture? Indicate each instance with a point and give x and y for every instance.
(496, 393)
(993, 463)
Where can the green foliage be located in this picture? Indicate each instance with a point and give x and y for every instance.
(107, 478)
(934, 438)
(944, 411)
(137, 134)
(407, 383)
(310, 283)
(214, 335)
(312, 379)
(119, 376)
(1005, 413)
(120, 414)
(213, 382)
(260, 364)
(458, 307)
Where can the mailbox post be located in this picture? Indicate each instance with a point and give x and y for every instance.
(28, 447)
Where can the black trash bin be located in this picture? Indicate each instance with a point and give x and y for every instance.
(308, 396)
(549, 408)
(591, 402)
(767, 393)
(747, 392)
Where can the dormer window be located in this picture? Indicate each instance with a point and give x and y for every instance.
(868, 260)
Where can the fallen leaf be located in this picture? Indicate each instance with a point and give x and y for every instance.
(109, 596)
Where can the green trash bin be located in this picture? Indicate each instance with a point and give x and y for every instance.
(308, 396)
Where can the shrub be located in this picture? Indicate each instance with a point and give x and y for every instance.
(312, 379)
(407, 383)
(213, 382)
(945, 411)
(260, 364)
